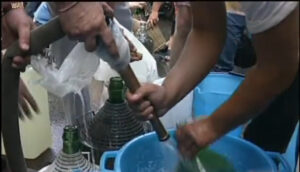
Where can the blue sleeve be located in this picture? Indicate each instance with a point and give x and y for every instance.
(42, 14)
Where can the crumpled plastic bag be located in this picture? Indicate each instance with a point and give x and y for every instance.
(79, 66)
(123, 48)
(144, 69)
(75, 72)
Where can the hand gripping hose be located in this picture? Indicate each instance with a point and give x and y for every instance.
(40, 38)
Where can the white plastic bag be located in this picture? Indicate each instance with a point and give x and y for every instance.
(144, 69)
(181, 113)
(79, 66)
(123, 48)
(75, 72)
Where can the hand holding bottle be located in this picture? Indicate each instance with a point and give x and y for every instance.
(195, 136)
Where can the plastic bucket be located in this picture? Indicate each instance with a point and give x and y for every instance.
(213, 91)
(147, 153)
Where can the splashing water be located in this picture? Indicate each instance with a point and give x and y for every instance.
(165, 157)
(86, 132)
(69, 105)
(184, 164)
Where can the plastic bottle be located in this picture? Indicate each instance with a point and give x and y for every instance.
(36, 135)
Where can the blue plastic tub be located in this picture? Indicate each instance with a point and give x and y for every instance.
(146, 150)
(213, 91)
(292, 152)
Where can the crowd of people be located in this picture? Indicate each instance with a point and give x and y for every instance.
(207, 36)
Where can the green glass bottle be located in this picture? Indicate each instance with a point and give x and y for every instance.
(115, 123)
(71, 158)
(116, 90)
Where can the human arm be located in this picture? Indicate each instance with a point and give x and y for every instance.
(26, 100)
(277, 65)
(183, 28)
(201, 52)
(136, 5)
(84, 21)
(16, 24)
(153, 18)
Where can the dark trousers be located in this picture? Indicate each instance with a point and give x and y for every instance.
(274, 127)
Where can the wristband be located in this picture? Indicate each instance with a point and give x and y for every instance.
(13, 5)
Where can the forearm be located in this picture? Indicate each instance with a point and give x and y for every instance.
(56, 6)
(277, 66)
(177, 47)
(255, 93)
(203, 47)
(199, 55)
(183, 28)
(156, 6)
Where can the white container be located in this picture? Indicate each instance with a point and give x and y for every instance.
(181, 113)
(35, 134)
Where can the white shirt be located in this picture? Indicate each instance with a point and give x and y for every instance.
(263, 15)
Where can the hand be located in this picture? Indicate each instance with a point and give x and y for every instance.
(24, 98)
(147, 98)
(136, 5)
(195, 136)
(16, 24)
(153, 18)
(135, 55)
(85, 21)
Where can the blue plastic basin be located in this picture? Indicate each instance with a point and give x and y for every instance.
(213, 91)
(146, 150)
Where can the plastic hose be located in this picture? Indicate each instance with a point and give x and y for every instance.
(40, 38)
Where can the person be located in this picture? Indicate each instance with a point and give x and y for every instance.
(16, 24)
(183, 24)
(180, 25)
(236, 25)
(81, 21)
(31, 7)
(154, 18)
(137, 5)
(271, 82)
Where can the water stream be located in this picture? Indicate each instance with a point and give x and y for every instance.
(86, 131)
(183, 164)
(71, 109)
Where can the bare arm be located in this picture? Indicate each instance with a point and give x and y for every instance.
(156, 6)
(202, 49)
(201, 52)
(277, 65)
(183, 28)
(153, 18)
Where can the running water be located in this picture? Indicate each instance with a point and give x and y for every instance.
(86, 132)
(69, 105)
(165, 157)
(183, 164)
